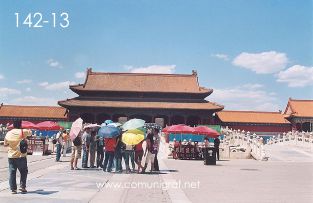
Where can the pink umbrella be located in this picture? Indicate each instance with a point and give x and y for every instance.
(77, 126)
(48, 125)
(25, 125)
(204, 130)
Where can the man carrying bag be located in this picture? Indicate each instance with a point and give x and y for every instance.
(16, 142)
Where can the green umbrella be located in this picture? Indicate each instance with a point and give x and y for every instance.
(65, 125)
(133, 124)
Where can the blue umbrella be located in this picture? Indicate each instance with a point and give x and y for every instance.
(109, 132)
(108, 121)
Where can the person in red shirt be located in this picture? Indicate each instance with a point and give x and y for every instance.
(110, 144)
(138, 155)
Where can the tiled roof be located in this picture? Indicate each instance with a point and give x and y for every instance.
(141, 82)
(52, 112)
(300, 108)
(142, 104)
(252, 117)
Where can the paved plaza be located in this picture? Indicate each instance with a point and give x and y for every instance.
(276, 180)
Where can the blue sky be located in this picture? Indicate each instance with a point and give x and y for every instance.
(254, 54)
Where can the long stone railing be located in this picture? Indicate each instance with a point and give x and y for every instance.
(241, 144)
(303, 140)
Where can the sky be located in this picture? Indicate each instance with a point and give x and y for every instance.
(254, 54)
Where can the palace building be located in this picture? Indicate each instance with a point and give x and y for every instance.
(300, 114)
(259, 122)
(34, 114)
(162, 98)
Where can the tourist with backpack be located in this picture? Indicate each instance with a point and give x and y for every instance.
(76, 152)
(16, 142)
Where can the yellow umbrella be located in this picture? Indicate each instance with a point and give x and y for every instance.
(135, 131)
(133, 137)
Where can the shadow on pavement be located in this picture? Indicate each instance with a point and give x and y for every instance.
(154, 173)
(42, 192)
(169, 170)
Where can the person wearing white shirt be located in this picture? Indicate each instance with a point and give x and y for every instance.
(59, 141)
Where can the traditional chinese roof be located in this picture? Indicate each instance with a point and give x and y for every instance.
(252, 117)
(141, 82)
(299, 108)
(40, 112)
(205, 105)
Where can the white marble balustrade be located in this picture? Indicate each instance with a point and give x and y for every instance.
(241, 142)
(294, 138)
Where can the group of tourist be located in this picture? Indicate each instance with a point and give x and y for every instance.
(189, 149)
(96, 151)
(108, 153)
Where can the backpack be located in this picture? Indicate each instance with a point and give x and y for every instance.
(54, 141)
(77, 141)
(23, 146)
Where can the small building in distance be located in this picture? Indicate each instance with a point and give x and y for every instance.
(33, 114)
(162, 98)
(300, 114)
(258, 122)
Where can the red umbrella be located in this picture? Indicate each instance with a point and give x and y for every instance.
(48, 125)
(204, 130)
(165, 129)
(180, 129)
(25, 125)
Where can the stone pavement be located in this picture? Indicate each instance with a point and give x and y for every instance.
(228, 181)
(34, 163)
(280, 152)
(247, 181)
(57, 183)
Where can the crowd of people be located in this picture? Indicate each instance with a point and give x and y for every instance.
(95, 151)
(109, 153)
(192, 150)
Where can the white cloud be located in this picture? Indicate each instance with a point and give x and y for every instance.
(56, 86)
(296, 76)
(262, 63)
(31, 100)
(1, 77)
(246, 97)
(167, 69)
(26, 81)
(43, 84)
(252, 86)
(8, 91)
(221, 56)
(54, 63)
(28, 89)
(80, 75)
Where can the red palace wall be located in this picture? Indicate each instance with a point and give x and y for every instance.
(260, 128)
(5, 121)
